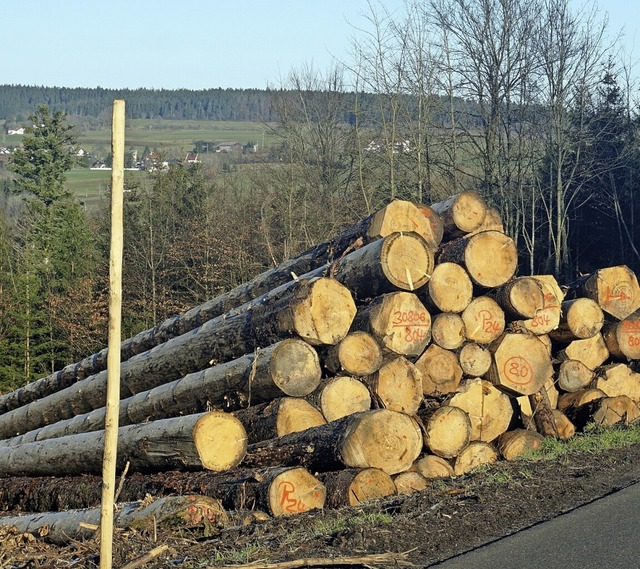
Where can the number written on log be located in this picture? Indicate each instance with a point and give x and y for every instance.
(540, 320)
(412, 321)
(518, 370)
(489, 324)
(288, 501)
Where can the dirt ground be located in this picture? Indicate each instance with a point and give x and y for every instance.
(448, 518)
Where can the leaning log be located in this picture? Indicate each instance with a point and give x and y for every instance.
(185, 512)
(214, 441)
(398, 216)
(381, 439)
(318, 310)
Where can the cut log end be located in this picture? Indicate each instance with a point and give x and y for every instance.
(221, 441)
(342, 396)
(295, 367)
(407, 261)
(295, 490)
(447, 431)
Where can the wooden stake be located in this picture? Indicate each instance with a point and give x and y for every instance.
(113, 346)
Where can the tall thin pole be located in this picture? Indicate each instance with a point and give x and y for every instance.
(113, 353)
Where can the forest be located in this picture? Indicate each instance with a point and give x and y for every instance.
(523, 101)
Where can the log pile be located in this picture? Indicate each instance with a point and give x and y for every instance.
(405, 349)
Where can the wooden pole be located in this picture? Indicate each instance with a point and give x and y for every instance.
(113, 345)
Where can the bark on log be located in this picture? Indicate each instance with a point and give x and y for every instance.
(490, 257)
(592, 352)
(213, 441)
(461, 213)
(410, 482)
(475, 360)
(290, 367)
(380, 439)
(318, 310)
(440, 370)
(447, 330)
(352, 486)
(474, 455)
(489, 409)
(604, 411)
(573, 375)
(449, 289)
(617, 379)
(578, 398)
(581, 318)
(397, 386)
(398, 321)
(483, 319)
(278, 418)
(435, 223)
(184, 512)
(564, 427)
(520, 297)
(432, 466)
(552, 395)
(614, 289)
(447, 430)
(398, 216)
(521, 363)
(518, 442)
(623, 338)
(542, 413)
(358, 354)
(341, 396)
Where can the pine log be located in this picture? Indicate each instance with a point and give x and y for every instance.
(578, 398)
(447, 430)
(520, 297)
(398, 321)
(490, 257)
(410, 482)
(213, 441)
(475, 360)
(492, 220)
(319, 311)
(289, 491)
(184, 512)
(521, 363)
(397, 386)
(563, 426)
(488, 408)
(516, 443)
(604, 411)
(617, 379)
(449, 289)
(542, 413)
(573, 375)
(341, 396)
(622, 338)
(461, 213)
(432, 466)
(447, 330)
(474, 455)
(278, 418)
(592, 352)
(435, 223)
(380, 439)
(358, 354)
(397, 216)
(580, 318)
(546, 318)
(484, 320)
(440, 370)
(614, 289)
(353, 486)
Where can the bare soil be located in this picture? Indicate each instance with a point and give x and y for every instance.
(448, 518)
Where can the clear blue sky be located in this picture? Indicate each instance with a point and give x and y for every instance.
(195, 44)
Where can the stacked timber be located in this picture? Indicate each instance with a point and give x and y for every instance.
(404, 349)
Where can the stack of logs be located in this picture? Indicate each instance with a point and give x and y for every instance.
(404, 349)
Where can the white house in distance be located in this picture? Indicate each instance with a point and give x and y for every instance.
(15, 131)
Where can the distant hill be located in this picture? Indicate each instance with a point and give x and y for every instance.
(17, 102)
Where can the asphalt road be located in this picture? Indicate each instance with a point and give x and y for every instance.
(602, 535)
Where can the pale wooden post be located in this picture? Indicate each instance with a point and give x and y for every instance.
(113, 354)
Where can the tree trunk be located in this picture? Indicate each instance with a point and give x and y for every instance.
(358, 354)
(353, 441)
(474, 455)
(398, 216)
(398, 321)
(213, 441)
(447, 330)
(447, 430)
(397, 386)
(319, 310)
(623, 338)
(521, 363)
(461, 213)
(441, 372)
(475, 360)
(353, 486)
(483, 320)
(449, 289)
(489, 409)
(614, 289)
(183, 512)
(580, 318)
(490, 257)
(341, 396)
